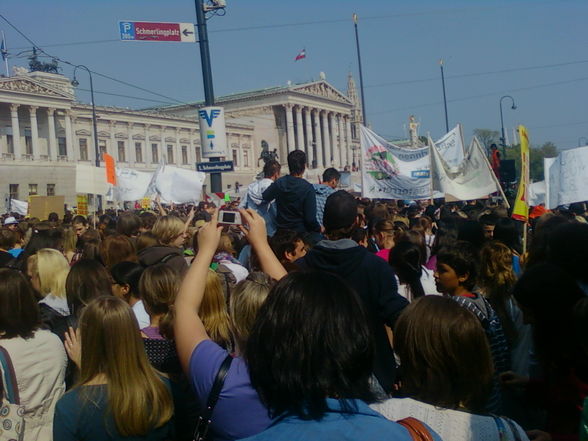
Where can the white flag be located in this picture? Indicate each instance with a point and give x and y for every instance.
(179, 185)
(451, 147)
(131, 185)
(472, 179)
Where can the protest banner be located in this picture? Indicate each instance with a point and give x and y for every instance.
(566, 177)
(392, 172)
(90, 180)
(41, 206)
(451, 147)
(179, 185)
(82, 204)
(131, 185)
(471, 179)
(521, 206)
(146, 203)
(537, 193)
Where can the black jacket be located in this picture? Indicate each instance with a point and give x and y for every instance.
(374, 281)
(161, 254)
(295, 203)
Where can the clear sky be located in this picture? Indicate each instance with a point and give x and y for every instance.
(534, 50)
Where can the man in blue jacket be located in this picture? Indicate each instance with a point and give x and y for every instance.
(331, 178)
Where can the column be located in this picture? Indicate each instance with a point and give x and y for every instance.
(348, 147)
(147, 158)
(130, 156)
(309, 140)
(15, 131)
(326, 139)
(52, 153)
(290, 128)
(69, 137)
(332, 140)
(112, 149)
(316, 122)
(299, 133)
(34, 132)
(178, 154)
(341, 155)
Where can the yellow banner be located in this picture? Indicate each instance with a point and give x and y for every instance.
(521, 206)
(146, 203)
(82, 203)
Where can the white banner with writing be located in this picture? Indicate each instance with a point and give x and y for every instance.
(451, 147)
(566, 177)
(179, 185)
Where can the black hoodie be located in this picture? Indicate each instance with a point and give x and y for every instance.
(295, 203)
(374, 280)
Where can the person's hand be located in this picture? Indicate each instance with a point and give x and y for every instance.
(191, 215)
(254, 227)
(72, 346)
(538, 435)
(209, 234)
(510, 379)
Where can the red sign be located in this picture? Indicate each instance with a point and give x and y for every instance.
(157, 31)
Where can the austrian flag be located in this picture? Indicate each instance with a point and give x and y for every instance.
(301, 55)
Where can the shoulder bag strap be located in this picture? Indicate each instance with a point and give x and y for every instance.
(218, 384)
(9, 377)
(417, 430)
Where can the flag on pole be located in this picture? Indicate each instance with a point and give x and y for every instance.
(521, 206)
(3, 50)
(110, 169)
(301, 55)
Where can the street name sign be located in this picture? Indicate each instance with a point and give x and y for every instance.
(214, 167)
(153, 31)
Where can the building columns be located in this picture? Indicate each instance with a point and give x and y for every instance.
(299, 132)
(340, 145)
(326, 139)
(316, 123)
(34, 132)
(52, 153)
(290, 128)
(309, 139)
(69, 137)
(15, 131)
(348, 146)
(332, 140)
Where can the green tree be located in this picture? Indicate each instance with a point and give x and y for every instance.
(536, 156)
(487, 137)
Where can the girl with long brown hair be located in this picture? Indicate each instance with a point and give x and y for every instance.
(119, 394)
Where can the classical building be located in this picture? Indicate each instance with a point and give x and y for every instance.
(45, 132)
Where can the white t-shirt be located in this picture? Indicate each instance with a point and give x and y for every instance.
(141, 314)
(450, 424)
(428, 282)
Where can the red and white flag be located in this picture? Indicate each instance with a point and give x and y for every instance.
(301, 55)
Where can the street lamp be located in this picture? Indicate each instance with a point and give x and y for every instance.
(75, 83)
(503, 138)
(363, 111)
(580, 141)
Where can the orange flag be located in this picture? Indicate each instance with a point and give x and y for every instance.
(110, 171)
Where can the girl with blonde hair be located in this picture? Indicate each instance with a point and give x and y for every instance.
(213, 311)
(119, 394)
(170, 233)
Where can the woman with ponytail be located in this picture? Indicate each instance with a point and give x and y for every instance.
(414, 279)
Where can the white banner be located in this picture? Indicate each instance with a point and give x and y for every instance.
(131, 185)
(90, 179)
(472, 179)
(451, 147)
(213, 134)
(180, 185)
(392, 172)
(537, 193)
(566, 177)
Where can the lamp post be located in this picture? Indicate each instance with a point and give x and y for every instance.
(76, 83)
(503, 138)
(580, 141)
(363, 112)
(444, 96)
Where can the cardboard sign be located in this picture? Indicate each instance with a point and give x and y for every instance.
(41, 206)
(82, 204)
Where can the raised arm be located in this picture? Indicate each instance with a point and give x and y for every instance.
(257, 237)
(189, 330)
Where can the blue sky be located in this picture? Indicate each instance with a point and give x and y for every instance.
(253, 46)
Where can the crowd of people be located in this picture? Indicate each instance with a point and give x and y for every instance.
(320, 315)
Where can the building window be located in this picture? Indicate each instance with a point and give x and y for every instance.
(28, 144)
(184, 155)
(9, 144)
(245, 158)
(61, 146)
(83, 149)
(13, 190)
(138, 152)
(50, 189)
(198, 155)
(235, 156)
(102, 148)
(170, 154)
(121, 151)
(154, 154)
(33, 189)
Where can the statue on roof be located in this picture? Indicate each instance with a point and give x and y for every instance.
(39, 66)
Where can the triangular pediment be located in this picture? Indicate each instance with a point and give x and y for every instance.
(31, 87)
(322, 89)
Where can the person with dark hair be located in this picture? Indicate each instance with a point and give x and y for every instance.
(506, 232)
(37, 356)
(148, 219)
(414, 279)
(447, 371)
(288, 246)
(80, 225)
(87, 279)
(455, 277)
(360, 236)
(53, 217)
(331, 178)
(295, 198)
(7, 242)
(542, 231)
(471, 231)
(128, 224)
(106, 225)
(254, 197)
(547, 296)
(117, 248)
(488, 222)
(125, 284)
(369, 275)
(567, 249)
(311, 387)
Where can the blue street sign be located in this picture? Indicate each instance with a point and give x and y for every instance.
(215, 167)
